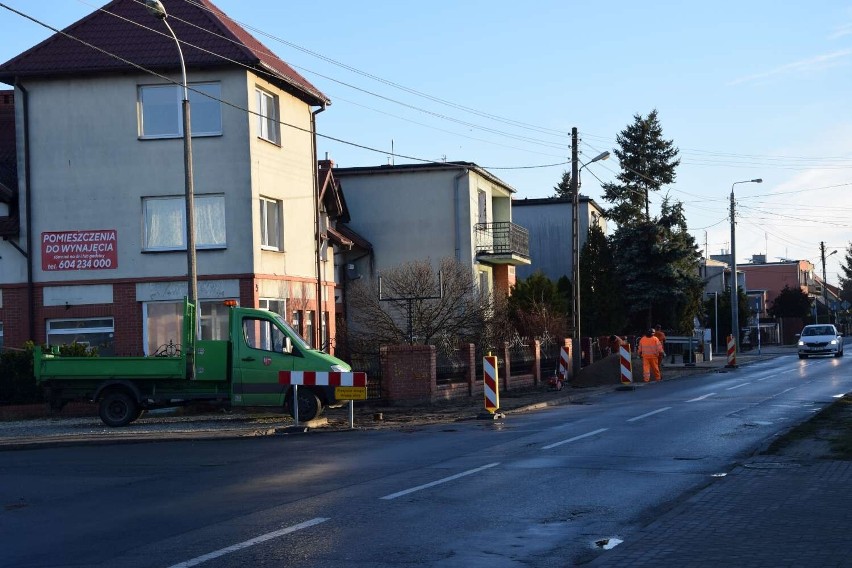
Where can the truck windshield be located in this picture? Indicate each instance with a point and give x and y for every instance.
(294, 335)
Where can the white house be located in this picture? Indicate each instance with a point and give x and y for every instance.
(436, 210)
(99, 253)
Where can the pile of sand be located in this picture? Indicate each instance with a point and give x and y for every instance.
(607, 371)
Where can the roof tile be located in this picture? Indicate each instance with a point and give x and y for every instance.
(124, 28)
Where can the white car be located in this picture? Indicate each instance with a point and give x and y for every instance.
(820, 339)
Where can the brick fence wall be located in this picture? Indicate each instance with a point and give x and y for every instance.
(409, 371)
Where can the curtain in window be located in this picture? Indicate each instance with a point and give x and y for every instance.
(164, 223)
(210, 220)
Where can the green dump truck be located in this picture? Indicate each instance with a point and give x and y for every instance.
(239, 372)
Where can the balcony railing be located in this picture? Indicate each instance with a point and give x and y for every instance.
(502, 239)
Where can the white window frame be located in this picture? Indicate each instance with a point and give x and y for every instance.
(271, 238)
(74, 332)
(169, 234)
(205, 98)
(268, 116)
(276, 305)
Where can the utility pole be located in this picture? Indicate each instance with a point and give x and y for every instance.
(575, 247)
(824, 281)
(824, 292)
(735, 309)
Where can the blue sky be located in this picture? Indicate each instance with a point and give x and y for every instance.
(744, 89)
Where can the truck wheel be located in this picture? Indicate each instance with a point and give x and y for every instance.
(310, 406)
(118, 409)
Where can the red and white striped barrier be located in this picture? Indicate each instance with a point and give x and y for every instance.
(323, 378)
(626, 365)
(564, 363)
(490, 383)
(732, 352)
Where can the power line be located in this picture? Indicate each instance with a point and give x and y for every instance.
(243, 109)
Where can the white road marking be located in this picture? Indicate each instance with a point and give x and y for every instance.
(257, 540)
(647, 414)
(438, 482)
(575, 438)
(738, 386)
(701, 397)
(776, 374)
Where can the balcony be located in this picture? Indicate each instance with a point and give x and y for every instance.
(502, 243)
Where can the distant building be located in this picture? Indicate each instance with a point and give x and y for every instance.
(549, 221)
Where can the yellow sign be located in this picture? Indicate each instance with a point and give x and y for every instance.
(350, 393)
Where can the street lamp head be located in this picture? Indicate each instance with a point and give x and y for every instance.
(832, 252)
(601, 156)
(156, 9)
(757, 180)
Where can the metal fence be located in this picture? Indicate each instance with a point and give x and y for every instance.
(370, 363)
(521, 358)
(451, 367)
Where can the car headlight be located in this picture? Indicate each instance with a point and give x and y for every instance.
(801, 343)
(339, 369)
(834, 342)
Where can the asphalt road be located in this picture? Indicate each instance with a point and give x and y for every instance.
(549, 488)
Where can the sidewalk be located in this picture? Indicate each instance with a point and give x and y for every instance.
(766, 513)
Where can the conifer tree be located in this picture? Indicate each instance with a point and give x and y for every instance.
(648, 163)
(846, 278)
(563, 188)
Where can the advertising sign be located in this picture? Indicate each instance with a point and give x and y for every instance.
(79, 250)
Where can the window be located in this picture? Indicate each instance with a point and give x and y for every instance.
(278, 306)
(326, 344)
(93, 333)
(297, 322)
(165, 222)
(164, 322)
(309, 328)
(271, 236)
(263, 334)
(1, 336)
(161, 110)
(268, 126)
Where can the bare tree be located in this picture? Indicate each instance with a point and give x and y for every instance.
(413, 293)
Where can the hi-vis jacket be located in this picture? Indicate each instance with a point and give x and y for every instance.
(650, 347)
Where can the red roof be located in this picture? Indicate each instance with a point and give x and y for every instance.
(124, 28)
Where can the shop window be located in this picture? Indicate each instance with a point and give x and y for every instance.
(97, 333)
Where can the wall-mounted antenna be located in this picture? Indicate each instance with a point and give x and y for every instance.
(410, 303)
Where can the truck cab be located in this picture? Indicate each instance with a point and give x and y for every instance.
(263, 344)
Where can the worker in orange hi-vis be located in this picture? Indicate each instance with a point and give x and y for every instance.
(661, 335)
(650, 349)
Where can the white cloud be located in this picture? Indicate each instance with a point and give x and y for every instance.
(818, 62)
(841, 31)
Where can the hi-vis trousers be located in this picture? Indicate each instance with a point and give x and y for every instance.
(651, 364)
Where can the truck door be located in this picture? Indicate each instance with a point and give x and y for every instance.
(261, 352)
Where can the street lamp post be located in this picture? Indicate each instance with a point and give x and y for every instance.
(156, 9)
(575, 242)
(735, 308)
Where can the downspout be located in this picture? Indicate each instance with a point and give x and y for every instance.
(28, 204)
(457, 212)
(318, 327)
